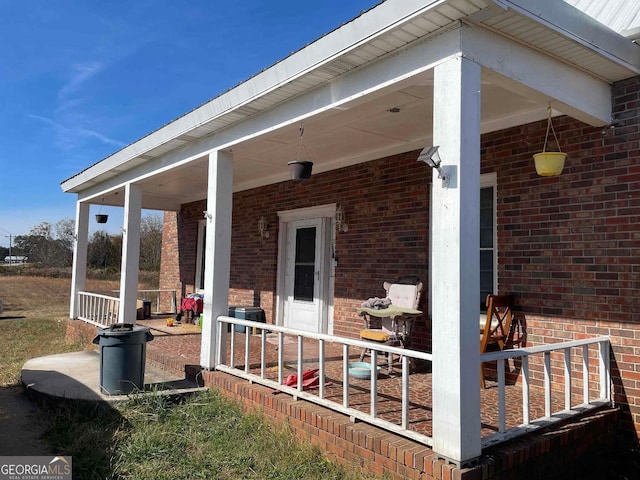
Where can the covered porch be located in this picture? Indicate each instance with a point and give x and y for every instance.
(402, 76)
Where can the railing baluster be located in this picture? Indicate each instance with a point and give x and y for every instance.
(263, 353)
(547, 384)
(405, 392)
(567, 378)
(585, 374)
(280, 357)
(374, 383)
(300, 357)
(526, 417)
(321, 358)
(247, 351)
(502, 422)
(345, 375)
(605, 371)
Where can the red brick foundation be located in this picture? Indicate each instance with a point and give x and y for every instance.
(578, 450)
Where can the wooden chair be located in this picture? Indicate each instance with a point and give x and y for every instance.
(497, 326)
(392, 325)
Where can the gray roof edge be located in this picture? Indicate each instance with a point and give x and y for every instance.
(574, 23)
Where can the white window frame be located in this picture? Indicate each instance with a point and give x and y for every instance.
(200, 251)
(486, 180)
(491, 180)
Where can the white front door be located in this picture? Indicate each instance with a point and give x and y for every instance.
(304, 275)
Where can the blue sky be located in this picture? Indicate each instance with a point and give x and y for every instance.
(81, 79)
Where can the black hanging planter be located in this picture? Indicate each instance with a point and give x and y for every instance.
(102, 218)
(300, 170)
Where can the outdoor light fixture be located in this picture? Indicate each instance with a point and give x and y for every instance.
(341, 226)
(262, 228)
(431, 157)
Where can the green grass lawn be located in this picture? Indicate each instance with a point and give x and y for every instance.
(148, 437)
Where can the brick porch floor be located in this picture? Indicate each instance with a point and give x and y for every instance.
(178, 348)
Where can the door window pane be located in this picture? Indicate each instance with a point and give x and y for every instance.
(304, 281)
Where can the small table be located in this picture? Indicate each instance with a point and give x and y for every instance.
(401, 322)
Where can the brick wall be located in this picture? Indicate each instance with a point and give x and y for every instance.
(568, 246)
(170, 261)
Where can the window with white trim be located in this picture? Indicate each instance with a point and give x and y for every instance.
(200, 256)
(488, 240)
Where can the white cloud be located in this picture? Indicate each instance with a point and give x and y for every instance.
(81, 73)
(68, 136)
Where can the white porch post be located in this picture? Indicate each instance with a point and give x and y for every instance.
(455, 260)
(130, 253)
(217, 255)
(81, 241)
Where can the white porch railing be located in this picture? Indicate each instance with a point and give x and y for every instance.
(372, 417)
(566, 350)
(98, 309)
(571, 408)
(101, 309)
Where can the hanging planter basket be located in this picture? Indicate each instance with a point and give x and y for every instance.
(549, 164)
(101, 216)
(300, 170)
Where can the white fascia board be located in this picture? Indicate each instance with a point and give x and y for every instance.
(372, 23)
(578, 94)
(365, 81)
(582, 28)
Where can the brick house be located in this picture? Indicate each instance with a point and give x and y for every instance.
(476, 78)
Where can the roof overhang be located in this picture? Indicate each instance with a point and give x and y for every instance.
(344, 85)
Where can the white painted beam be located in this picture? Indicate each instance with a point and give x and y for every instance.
(217, 256)
(80, 248)
(455, 260)
(574, 92)
(130, 253)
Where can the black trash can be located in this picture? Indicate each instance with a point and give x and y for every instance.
(255, 314)
(123, 348)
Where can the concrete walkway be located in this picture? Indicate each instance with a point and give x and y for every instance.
(76, 376)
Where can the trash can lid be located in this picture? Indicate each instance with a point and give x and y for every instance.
(243, 308)
(122, 329)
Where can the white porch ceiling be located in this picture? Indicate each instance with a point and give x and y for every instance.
(355, 129)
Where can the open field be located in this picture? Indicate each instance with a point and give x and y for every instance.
(34, 320)
(204, 436)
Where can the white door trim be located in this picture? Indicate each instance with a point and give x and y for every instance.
(328, 212)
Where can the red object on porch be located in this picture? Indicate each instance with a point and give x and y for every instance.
(193, 304)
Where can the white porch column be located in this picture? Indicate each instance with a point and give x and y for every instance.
(130, 253)
(455, 260)
(217, 255)
(80, 244)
